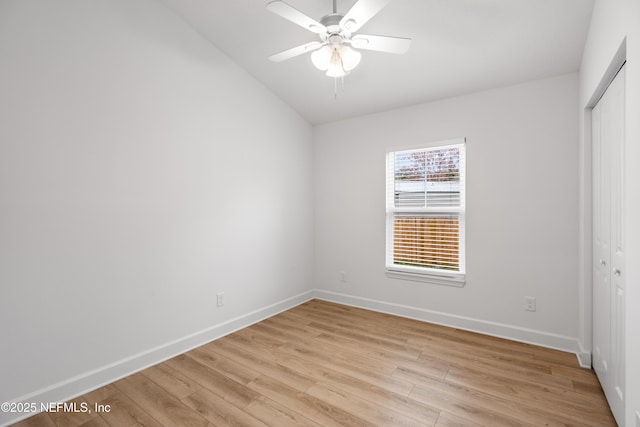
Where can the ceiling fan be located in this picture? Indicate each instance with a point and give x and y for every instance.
(335, 52)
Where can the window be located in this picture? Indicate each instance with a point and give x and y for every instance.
(425, 213)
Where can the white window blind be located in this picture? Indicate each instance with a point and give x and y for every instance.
(426, 211)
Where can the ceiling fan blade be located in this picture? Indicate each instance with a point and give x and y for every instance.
(298, 50)
(360, 13)
(387, 44)
(294, 15)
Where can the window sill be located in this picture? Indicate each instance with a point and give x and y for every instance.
(457, 281)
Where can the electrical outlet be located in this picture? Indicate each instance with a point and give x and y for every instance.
(530, 303)
(343, 277)
(220, 299)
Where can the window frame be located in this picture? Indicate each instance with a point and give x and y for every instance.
(424, 274)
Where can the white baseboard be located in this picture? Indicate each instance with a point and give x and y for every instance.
(88, 381)
(584, 357)
(515, 333)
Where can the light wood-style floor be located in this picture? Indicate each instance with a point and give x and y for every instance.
(324, 364)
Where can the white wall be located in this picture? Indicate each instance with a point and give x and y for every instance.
(614, 22)
(522, 205)
(141, 172)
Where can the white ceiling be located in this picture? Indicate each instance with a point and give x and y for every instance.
(459, 46)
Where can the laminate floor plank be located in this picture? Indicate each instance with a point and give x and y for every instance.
(592, 390)
(343, 347)
(514, 410)
(515, 387)
(395, 385)
(370, 392)
(216, 382)
(493, 356)
(248, 356)
(554, 356)
(448, 420)
(375, 414)
(219, 411)
(286, 325)
(171, 380)
(369, 339)
(124, 412)
(465, 359)
(327, 364)
(274, 414)
(348, 354)
(265, 341)
(316, 409)
(153, 399)
(228, 367)
(576, 374)
(435, 367)
(462, 409)
(568, 404)
(469, 341)
(370, 329)
(359, 332)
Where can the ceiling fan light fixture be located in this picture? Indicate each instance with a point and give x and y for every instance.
(336, 60)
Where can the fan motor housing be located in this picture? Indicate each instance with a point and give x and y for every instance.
(332, 22)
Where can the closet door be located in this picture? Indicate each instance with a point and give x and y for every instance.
(601, 247)
(608, 243)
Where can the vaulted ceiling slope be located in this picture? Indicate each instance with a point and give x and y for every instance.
(459, 47)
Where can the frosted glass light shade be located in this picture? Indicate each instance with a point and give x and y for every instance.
(350, 58)
(321, 58)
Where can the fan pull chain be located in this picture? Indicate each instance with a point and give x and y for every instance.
(335, 81)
